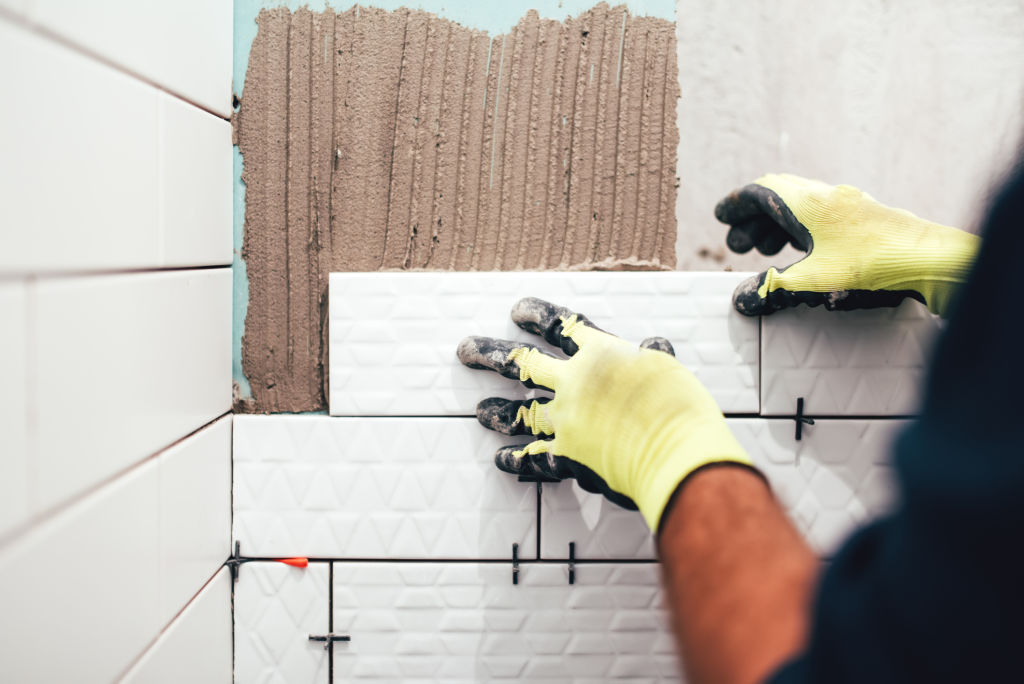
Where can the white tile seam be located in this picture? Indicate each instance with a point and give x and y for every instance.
(170, 623)
(68, 274)
(23, 531)
(28, 25)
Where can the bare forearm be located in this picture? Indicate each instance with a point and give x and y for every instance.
(738, 575)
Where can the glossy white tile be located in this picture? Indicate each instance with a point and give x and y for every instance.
(91, 572)
(125, 365)
(855, 363)
(393, 335)
(196, 647)
(185, 46)
(195, 204)
(277, 608)
(467, 622)
(836, 477)
(376, 488)
(14, 441)
(78, 186)
(195, 513)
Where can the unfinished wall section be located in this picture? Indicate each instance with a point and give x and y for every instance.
(379, 140)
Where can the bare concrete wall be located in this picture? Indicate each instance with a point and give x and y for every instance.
(918, 102)
(377, 140)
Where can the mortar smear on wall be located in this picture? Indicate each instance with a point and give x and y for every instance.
(378, 140)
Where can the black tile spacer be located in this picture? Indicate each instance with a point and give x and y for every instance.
(801, 419)
(515, 563)
(329, 639)
(234, 561)
(572, 562)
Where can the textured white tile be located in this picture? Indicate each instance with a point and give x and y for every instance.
(125, 365)
(277, 607)
(868, 363)
(196, 647)
(830, 481)
(430, 622)
(14, 462)
(184, 46)
(376, 488)
(195, 513)
(196, 201)
(90, 573)
(393, 336)
(78, 186)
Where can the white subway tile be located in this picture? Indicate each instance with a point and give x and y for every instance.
(850, 363)
(277, 607)
(90, 573)
(468, 622)
(184, 46)
(195, 513)
(376, 488)
(195, 150)
(78, 186)
(196, 647)
(393, 336)
(124, 366)
(835, 478)
(14, 445)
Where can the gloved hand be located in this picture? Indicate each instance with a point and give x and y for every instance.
(626, 422)
(860, 254)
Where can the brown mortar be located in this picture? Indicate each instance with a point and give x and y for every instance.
(377, 140)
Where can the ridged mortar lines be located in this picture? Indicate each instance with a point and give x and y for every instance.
(376, 140)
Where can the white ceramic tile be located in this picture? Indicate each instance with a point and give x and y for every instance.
(467, 622)
(78, 186)
(393, 336)
(19, 7)
(196, 647)
(14, 463)
(869, 363)
(125, 365)
(80, 592)
(195, 513)
(196, 202)
(277, 607)
(833, 479)
(376, 488)
(184, 46)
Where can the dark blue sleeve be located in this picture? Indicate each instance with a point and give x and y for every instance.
(935, 592)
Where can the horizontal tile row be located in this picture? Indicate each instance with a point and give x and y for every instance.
(114, 174)
(149, 38)
(376, 488)
(111, 570)
(426, 488)
(393, 336)
(196, 647)
(108, 370)
(465, 622)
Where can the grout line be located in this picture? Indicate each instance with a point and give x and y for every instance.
(330, 621)
(62, 41)
(20, 532)
(84, 273)
(486, 561)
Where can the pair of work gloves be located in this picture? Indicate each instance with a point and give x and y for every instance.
(633, 423)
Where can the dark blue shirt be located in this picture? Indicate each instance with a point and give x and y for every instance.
(935, 591)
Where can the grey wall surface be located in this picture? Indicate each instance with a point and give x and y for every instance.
(917, 102)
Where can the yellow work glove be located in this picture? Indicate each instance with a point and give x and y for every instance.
(631, 423)
(860, 254)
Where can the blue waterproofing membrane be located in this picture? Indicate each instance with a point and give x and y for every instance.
(494, 17)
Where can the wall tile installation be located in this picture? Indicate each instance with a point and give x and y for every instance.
(390, 356)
